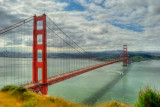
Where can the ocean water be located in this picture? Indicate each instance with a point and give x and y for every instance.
(106, 84)
(95, 87)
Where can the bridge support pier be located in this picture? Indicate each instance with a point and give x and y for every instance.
(42, 47)
(125, 55)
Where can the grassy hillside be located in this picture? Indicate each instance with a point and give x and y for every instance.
(11, 96)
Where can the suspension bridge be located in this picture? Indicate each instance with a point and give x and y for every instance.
(37, 47)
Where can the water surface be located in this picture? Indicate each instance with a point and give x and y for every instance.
(95, 87)
(106, 84)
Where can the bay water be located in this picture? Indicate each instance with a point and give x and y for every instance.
(95, 87)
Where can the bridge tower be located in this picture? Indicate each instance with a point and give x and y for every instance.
(125, 55)
(41, 47)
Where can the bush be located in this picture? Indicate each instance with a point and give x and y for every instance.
(148, 98)
(8, 88)
(30, 103)
(52, 100)
(19, 90)
(114, 104)
(27, 96)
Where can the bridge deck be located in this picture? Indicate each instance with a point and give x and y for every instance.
(64, 76)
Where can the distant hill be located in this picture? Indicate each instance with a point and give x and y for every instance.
(103, 56)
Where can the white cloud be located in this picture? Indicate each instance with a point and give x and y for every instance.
(96, 34)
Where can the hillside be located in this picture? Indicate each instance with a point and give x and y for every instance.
(12, 96)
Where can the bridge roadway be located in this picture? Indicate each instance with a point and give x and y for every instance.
(61, 77)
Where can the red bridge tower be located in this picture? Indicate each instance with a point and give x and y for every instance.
(125, 55)
(42, 47)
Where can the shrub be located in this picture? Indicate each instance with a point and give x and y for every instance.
(8, 88)
(19, 90)
(148, 98)
(114, 104)
(52, 100)
(30, 103)
(27, 96)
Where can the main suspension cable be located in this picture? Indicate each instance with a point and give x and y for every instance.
(16, 25)
(64, 40)
(68, 36)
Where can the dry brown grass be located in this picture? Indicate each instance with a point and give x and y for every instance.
(36, 100)
(114, 104)
(7, 101)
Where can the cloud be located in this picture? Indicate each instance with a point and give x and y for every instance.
(102, 25)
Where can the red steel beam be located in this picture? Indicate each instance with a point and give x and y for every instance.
(43, 48)
(125, 55)
(68, 75)
(78, 72)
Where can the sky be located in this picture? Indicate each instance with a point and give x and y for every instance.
(96, 25)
